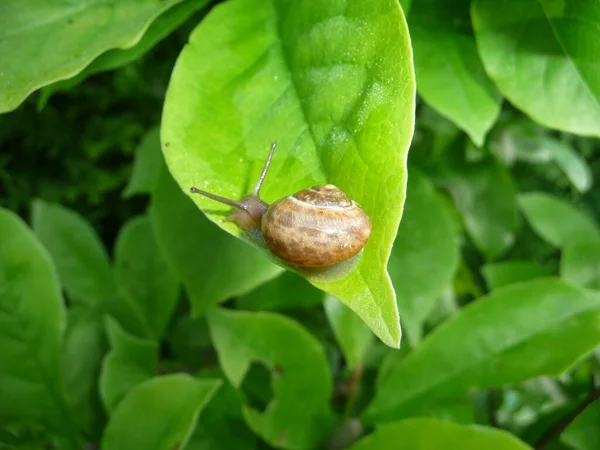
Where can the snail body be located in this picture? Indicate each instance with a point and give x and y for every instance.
(315, 227)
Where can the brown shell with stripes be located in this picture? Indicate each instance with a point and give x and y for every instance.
(315, 227)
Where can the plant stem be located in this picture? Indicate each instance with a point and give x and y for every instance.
(353, 388)
(555, 430)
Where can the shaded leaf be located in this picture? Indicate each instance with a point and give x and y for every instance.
(556, 220)
(130, 362)
(451, 78)
(538, 54)
(299, 415)
(492, 342)
(425, 254)
(142, 271)
(503, 273)
(486, 198)
(82, 352)
(147, 165)
(433, 434)
(287, 291)
(170, 405)
(351, 334)
(32, 323)
(580, 263)
(46, 41)
(584, 433)
(212, 265)
(333, 84)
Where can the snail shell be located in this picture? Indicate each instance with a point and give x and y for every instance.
(315, 227)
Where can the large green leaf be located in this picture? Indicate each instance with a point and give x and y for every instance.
(82, 352)
(159, 414)
(114, 59)
(299, 415)
(542, 54)
(83, 265)
(556, 220)
(130, 362)
(32, 323)
(584, 432)
(491, 342)
(425, 254)
(212, 265)
(43, 41)
(333, 84)
(142, 271)
(433, 434)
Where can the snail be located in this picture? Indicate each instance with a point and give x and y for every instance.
(315, 227)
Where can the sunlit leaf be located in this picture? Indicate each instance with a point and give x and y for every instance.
(212, 265)
(299, 415)
(333, 84)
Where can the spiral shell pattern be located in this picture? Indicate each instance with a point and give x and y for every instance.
(315, 227)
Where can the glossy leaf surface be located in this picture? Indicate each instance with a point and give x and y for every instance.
(333, 84)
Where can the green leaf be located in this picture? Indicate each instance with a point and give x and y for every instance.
(538, 54)
(32, 322)
(583, 433)
(351, 334)
(80, 258)
(433, 434)
(331, 83)
(425, 254)
(83, 349)
(580, 263)
(287, 291)
(158, 414)
(114, 59)
(45, 41)
(147, 165)
(571, 163)
(451, 77)
(212, 265)
(130, 362)
(142, 271)
(486, 198)
(299, 415)
(83, 265)
(556, 221)
(222, 424)
(504, 273)
(492, 342)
